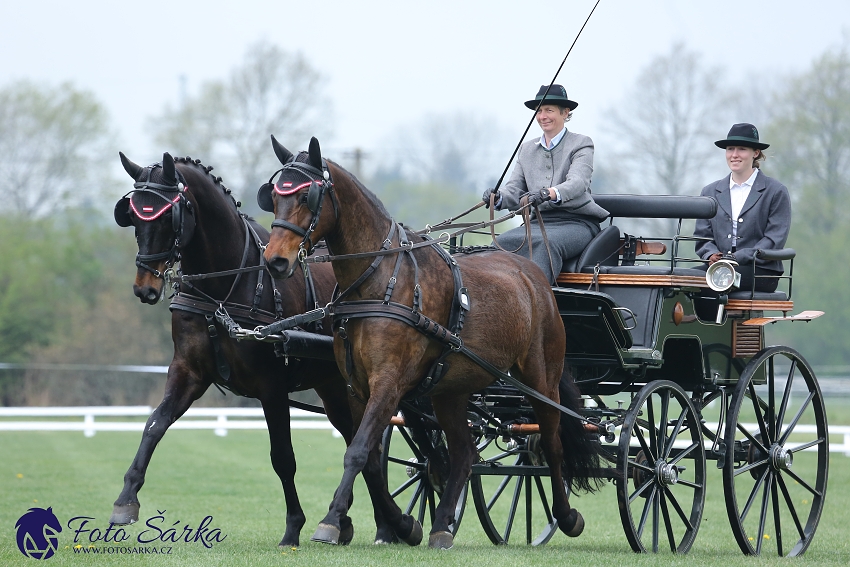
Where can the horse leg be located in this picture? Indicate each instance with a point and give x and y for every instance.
(451, 414)
(362, 453)
(276, 410)
(181, 390)
(345, 413)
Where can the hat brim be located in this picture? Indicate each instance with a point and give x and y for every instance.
(738, 141)
(571, 104)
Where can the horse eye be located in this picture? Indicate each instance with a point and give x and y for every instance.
(303, 199)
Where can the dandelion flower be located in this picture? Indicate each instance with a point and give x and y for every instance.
(766, 536)
(749, 538)
(19, 475)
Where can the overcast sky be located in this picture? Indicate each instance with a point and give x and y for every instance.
(389, 63)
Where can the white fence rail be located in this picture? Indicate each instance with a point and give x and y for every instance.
(221, 419)
(224, 419)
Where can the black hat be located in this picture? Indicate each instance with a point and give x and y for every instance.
(557, 95)
(742, 135)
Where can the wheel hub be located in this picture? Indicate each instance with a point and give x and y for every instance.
(411, 470)
(666, 474)
(781, 458)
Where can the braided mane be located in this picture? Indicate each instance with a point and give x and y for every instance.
(216, 180)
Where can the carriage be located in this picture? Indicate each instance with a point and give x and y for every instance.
(670, 362)
(674, 375)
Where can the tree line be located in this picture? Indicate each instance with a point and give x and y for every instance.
(66, 270)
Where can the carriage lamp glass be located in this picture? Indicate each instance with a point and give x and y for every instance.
(721, 275)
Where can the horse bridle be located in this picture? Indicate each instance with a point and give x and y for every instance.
(182, 223)
(320, 183)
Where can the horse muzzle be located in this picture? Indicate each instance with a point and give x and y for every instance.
(147, 293)
(280, 268)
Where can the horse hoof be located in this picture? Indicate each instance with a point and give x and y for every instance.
(346, 535)
(326, 533)
(415, 537)
(578, 527)
(124, 514)
(441, 540)
(382, 540)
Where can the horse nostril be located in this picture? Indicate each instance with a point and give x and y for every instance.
(278, 265)
(152, 296)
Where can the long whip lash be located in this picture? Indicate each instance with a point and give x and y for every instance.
(530, 122)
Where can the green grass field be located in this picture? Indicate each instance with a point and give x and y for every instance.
(195, 474)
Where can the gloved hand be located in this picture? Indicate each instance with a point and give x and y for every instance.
(535, 199)
(486, 196)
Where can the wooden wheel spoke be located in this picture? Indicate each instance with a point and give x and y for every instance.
(772, 428)
(407, 484)
(667, 523)
(637, 465)
(750, 466)
(752, 497)
(415, 497)
(763, 517)
(803, 483)
(646, 484)
(685, 520)
(676, 429)
(786, 396)
(643, 445)
(413, 447)
(416, 465)
(689, 484)
(791, 508)
(777, 522)
(685, 453)
(645, 513)
(650, 429)
(512, 511)
(499, 491)
(655, 505)
(662, 422)
(753, 439)
(805, 446)
(759, 414)
(543, 500)
(793, 424)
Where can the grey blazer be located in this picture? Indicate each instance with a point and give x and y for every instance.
(764, 222)
(568, 166)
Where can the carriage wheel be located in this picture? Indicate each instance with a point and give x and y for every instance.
(511, 490)
(661, 462)
(418, 479)
(777, 454)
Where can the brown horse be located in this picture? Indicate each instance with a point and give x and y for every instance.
(181, 209)
(513, 323)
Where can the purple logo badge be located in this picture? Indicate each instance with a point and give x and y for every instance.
(37, 533)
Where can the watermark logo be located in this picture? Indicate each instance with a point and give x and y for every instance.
(37, 533)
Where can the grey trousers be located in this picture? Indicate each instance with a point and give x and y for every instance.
(567, 238)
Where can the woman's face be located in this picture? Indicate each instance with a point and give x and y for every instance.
(740, 159)
(551, 119)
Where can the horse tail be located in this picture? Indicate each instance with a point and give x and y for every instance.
(582, 449)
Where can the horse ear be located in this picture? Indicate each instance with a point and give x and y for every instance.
(284, 155)
(315, 153)
(131, 168)
(169, 175)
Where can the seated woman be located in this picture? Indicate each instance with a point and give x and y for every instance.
(754, 212)
(555, 171)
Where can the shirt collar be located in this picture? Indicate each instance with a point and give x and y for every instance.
(749, 182)
(555, 141)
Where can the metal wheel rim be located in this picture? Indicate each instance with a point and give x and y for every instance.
(519, 490)
(666, 502)
(771, 491)
(416, 496)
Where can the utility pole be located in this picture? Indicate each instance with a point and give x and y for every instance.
(358, 155)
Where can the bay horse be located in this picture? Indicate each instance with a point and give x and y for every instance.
(510, 321)
(180, 209)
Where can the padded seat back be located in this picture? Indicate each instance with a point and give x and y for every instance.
(604, 249)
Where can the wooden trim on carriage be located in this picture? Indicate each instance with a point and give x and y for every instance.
(759, 305)
(652, 280)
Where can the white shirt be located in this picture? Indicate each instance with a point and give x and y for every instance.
(738, 194)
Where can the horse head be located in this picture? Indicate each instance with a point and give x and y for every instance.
(297, 198)
(163, 217)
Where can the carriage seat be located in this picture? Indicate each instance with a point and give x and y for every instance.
(604, 249)
(759, 295)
